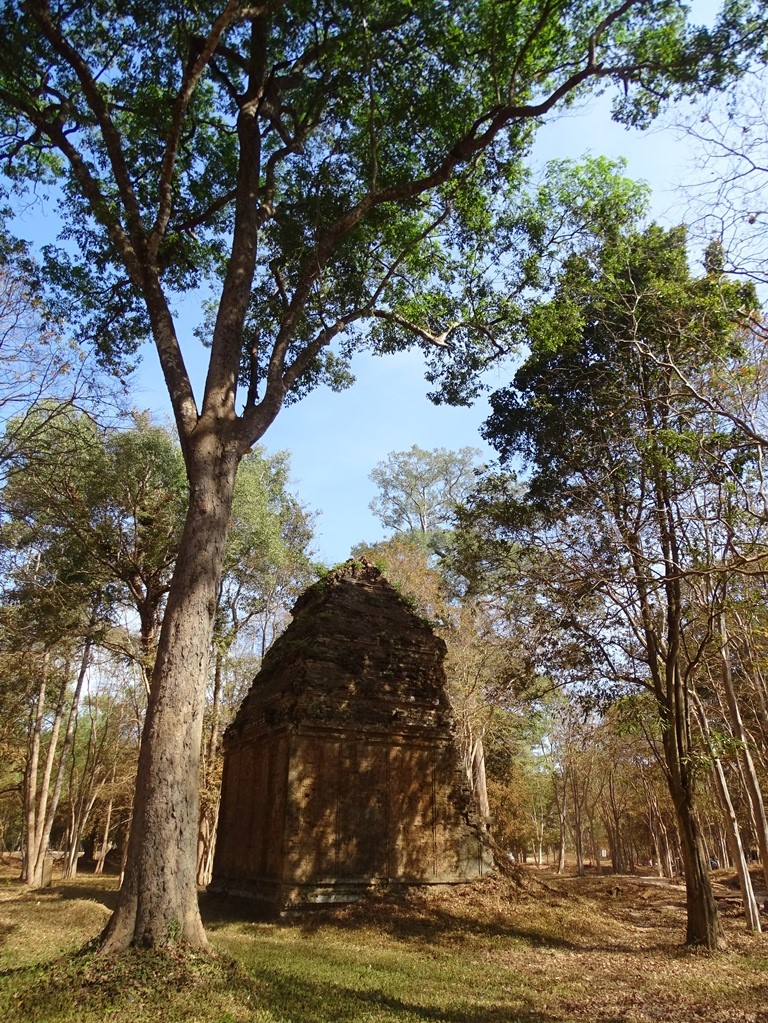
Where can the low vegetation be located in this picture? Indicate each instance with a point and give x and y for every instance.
(540, 948)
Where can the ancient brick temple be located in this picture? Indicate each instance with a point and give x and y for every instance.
(341, 770)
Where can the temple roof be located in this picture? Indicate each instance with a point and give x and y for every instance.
(355, 651)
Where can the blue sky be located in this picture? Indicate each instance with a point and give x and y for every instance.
(336, 439)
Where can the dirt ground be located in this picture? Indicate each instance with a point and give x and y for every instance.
(529, 946)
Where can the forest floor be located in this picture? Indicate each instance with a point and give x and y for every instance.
(539, 948)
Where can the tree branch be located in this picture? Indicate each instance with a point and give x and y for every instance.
(41, 13)
(439, 340)
(192, 75)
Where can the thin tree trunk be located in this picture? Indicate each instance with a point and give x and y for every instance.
(44, 817)
(69, 733)
(42, 805)
(479, 784)
(79, 820)
(30, 782)
(578, 841)
(746, 763)
(596, 857)
(207, 844)
(736, 849)
(99, 868)
(562, 819)
(733, 834)
(209, 816)
(577, 828)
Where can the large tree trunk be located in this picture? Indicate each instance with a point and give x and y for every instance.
(703, 926)
(158, 900)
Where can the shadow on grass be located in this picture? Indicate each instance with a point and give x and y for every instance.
(312, 1001)
(417, 921)
(107, 897)
(139, 987)
(6, 930)
(218, 910)
(316, 1002)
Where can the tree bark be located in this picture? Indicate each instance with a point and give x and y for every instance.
(158, 900)
(30, 784)
(733, 834)
(736, 847)
(478, 779)
(209, 815)
(80, 815)
(41, 802)
(748, 772)
(562, 820)
(100, 859)
(703, 926)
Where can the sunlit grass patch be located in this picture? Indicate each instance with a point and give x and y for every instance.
(136, 985)
(36, 926)
(556, 950)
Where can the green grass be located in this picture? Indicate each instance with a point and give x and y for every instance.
(560, 949)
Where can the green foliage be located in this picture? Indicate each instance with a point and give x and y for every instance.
(43, 371)
(622, 426)
(93, 514)
(419, 491)
(617, 326)
(269, 557)
(375, 146)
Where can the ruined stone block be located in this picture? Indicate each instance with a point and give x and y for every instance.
(341, 769)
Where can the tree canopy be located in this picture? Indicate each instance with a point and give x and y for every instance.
(290, 143)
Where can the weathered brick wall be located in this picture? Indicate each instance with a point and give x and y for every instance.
(341, 768)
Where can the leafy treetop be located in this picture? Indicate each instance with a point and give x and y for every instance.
(327, 163)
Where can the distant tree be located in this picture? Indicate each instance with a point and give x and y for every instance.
(728, 193)
(419, 490)
(99, 746)
(91, 525)
(733, 841)
(520, 782)
(45, 376)
(479, 661)
(46, 642)
(269, 552)
(111, 501)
